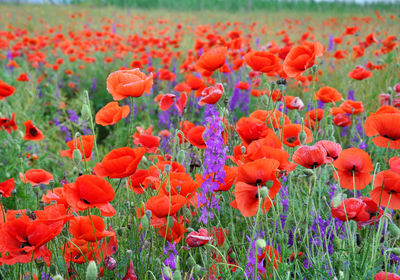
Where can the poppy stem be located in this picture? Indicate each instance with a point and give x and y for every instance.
(91, 124)
(132, 101)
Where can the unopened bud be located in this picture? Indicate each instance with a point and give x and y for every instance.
(264, 192)
(243, 150)
(145, 223)
(57, 277)
(110, 263)
(330, 130)
(308, 172)
(170, 222)
(91, 271)
(167, 168)
(314, 69)
(76, 156)
(85, 112)
(181, 156)
(177, 275)
(302, 137)
(260, 243)
(167, 272)
(394, 229)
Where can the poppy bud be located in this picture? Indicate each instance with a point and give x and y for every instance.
(77, 156)
(197, 268)
(337, 242)
(260, 243)
(191, 261)
(314, 69)
(170, 222)
(272, 86)
(394, 229)
(57, 277)
(243, 150)
(148, 214)
(167, 271)
(264, 191)
(110, 263)
(395, 251)
(167, 168)
(302, 136)
(85, 112)
(308, 172)
(145, 223)
(330, 130)
(336, 200)
(91, 271)
(181, 156)
(177, 275)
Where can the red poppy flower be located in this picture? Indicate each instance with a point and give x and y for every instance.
(273, 116)
(81, 227)
(23, 77)
(130, 272)
(328, 94)
(111, 114)
(364, 211)
(386, 276)
(270, 256)
(291, 135)
(174, 234)
(310, 156)
(36, 177)
(211, 95)
(180, 183)
(144, 138)
(128, 83)
(85, 148)
(195, 136)
(353, 168)
(251, 177)
(120, 163)
(311, 118)
(78, 250)
(197, 239)
(231, 174)
(394, 164)
(161, 207)
(90, 191)
(352, 107)
(57, 194)
(332, 149)
(5, 90)
(302, 57)
(264, 62)
(250, 129)
(359, 73)
(387, 189)
(387, 132)
(8, 125)
(6, 187)
(293, 103)
(212, 59)
(136, 181)
(32, 133)
(22, 237)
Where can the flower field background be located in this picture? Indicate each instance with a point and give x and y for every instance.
(162, 144)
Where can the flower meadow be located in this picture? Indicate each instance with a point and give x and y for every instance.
(166, 145)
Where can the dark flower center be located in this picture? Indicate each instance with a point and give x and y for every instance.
(33, 131)
(314, 165)
(291, 139)
(25, 244)
(84, 200)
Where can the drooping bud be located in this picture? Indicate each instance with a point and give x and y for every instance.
(145, 223)
(181, 156)
(394, 229)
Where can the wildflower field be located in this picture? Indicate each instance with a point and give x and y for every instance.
(167, 144)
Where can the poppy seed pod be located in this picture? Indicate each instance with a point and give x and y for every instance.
(91, 271)
(145, 222)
